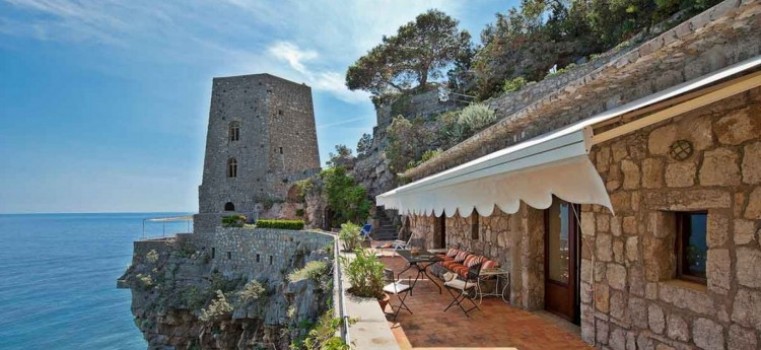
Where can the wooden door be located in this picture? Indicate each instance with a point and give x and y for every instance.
(561, 260)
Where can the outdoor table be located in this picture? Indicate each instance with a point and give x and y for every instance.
(421, 262)
(499, 274)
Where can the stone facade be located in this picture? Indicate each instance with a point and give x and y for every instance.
(276, 145)
(630, 298)
(633, 296)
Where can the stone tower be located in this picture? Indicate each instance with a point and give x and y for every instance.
(261, 140)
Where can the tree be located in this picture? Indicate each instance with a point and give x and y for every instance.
(342, 157)
(419, 51)
(365, 145)
(407, 141)
(347, 199)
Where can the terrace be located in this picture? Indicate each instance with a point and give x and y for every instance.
(496, 325)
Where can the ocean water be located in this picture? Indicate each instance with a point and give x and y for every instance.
(58, 279)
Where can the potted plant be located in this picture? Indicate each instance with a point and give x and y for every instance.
(365, 273)
(349, 235)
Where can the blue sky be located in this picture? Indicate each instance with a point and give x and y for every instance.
(104, 104)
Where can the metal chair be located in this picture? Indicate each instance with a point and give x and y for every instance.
(397, 288)
(460, 289)
(365, 232)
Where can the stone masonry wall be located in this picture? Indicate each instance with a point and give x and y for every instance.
(260, 253)
(629, 296)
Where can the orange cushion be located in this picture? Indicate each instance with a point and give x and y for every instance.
(449, 264)
(461, 256)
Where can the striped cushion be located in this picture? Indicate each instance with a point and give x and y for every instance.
(489, 264)
(469, 259)
(474, 259)
(452, 252)
(461, 256)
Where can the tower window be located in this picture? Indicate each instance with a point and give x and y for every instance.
(234, 132)
(281, 150)
(229, 206)
(279, 112)
(232, 167)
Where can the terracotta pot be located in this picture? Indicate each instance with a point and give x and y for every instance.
(384, 301)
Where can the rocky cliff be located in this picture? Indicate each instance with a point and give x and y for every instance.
(182, 300)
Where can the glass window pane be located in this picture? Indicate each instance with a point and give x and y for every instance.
(695, 246)
(559, 253)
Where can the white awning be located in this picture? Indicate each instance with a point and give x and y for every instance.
(532, 172)
(554, 164)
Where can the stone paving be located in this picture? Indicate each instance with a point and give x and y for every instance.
(496, 325)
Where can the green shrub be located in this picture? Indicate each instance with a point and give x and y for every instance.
(145, 281)
(365, 274)
(323, 335)
(233, 220)
(348, 200)
(312, 270)
(253, 290)
(349, 234)
(218, 308)
(515, 84)
(428, 155)
(193, 298)
(281, 224)
(152, 256)
(477, 116)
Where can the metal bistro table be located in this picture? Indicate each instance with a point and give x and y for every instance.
(498, 274)
(421, 261)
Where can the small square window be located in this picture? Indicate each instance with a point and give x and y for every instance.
(691, 246)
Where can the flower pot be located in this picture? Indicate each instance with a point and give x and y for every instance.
(384, 301)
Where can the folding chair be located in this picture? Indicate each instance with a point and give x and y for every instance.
(397, 288)
(365, 232)
(460, 289)
(400, 244)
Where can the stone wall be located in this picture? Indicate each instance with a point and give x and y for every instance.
(629, 295)
(260, 253)
(421, 105)
(277, 144)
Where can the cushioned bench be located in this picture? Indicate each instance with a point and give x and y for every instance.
(458, 261)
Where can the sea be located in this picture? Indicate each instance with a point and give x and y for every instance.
(58, 279)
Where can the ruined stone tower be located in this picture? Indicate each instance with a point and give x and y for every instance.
(261, 140)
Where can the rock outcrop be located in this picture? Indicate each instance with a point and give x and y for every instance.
(181, 301)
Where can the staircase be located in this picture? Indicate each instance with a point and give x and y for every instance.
(385, 231)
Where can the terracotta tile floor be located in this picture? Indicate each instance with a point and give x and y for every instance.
(496, 325)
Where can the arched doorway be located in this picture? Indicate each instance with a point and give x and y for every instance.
(229, 206)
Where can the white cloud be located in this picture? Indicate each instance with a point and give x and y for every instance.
(292, 54)
(305, 41)
(323, 80)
